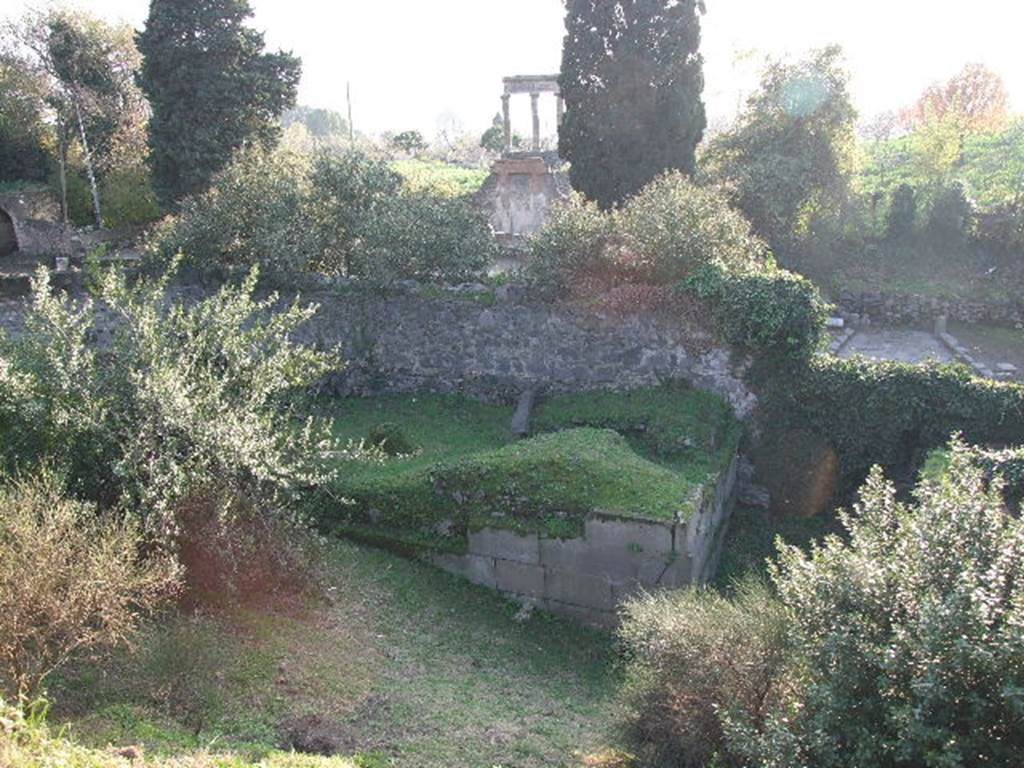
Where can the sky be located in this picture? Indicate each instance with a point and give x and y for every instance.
(420, 65)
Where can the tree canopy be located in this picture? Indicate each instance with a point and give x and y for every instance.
(789, 157)
(632, 78)
(212, 89)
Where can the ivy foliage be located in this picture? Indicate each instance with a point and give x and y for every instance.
(889, 413)
(767, 311)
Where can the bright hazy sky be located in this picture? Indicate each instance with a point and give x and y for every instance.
(415, 63)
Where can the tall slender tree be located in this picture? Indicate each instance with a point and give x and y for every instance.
(632, 79)
(212, 89)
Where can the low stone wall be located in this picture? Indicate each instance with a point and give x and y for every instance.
(897, 309)
(35, 213)
(588, 578)
(496, 349)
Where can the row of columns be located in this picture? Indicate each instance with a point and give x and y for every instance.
(534, 106)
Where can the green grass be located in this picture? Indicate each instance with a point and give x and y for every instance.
(441, 178)
(649, 453)
(416, 667)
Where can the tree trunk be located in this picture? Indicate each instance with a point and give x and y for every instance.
(88, 166)
(62, 151)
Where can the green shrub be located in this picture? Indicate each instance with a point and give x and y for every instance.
(767, 311)
(72, 581)
(951, 220)
(889, 413)
(252, 215)
(424, 237)
(673, 227)
(390, 438)
(574, 242)
(902, 221)
(185, 397)
(335, 213)
(659, 237)
(910, 634)
(693, 654)
(128, 198)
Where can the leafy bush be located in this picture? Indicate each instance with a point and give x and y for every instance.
(766, 311)
(659, 237)
(424, 237)
(694, 654)
(129, 198)
(574, 242)
(889, 413)
(672, 227)
(72, 580)
(951, 220)
(252, 215)
(903, 213)
(335, 213)
(910, 635)
(232, 548)
(390, 438)
(185, 396)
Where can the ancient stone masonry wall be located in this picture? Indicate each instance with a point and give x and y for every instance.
(589, 578)
(895, 309)
(410, 342)
(493, 348)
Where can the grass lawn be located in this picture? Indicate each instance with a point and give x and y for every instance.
(894, 269)
(415, 667)
(441, 178)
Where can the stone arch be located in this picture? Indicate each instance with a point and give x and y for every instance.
(8, 235)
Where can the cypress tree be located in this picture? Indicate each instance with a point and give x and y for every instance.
(632, 78)
(212, 89)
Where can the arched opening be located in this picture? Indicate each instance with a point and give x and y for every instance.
(8, 237)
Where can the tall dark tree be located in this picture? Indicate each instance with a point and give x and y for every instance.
(632, 78)
(212, 89)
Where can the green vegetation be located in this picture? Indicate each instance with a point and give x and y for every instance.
(334, 212)
(409, 666)
(897, 644)
(631, 78)
(788, 160)
(648, 453)
(439, 178)
(212, 89)
(659, 237)
(890, 413)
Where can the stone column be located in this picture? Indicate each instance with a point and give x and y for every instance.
(534, 99)
(561, 108)
(507, 118)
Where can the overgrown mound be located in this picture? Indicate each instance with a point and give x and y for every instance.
(647, 454)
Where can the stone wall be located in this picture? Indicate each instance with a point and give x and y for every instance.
(492, 346)
(35, 213)
(495, 346)
(897, 309)
(589, 578)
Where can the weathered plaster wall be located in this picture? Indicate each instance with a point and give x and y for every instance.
(589, 578)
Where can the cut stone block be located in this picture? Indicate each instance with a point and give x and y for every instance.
(578, 589)
(519, 578)
(505, 545)
(473, 568)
